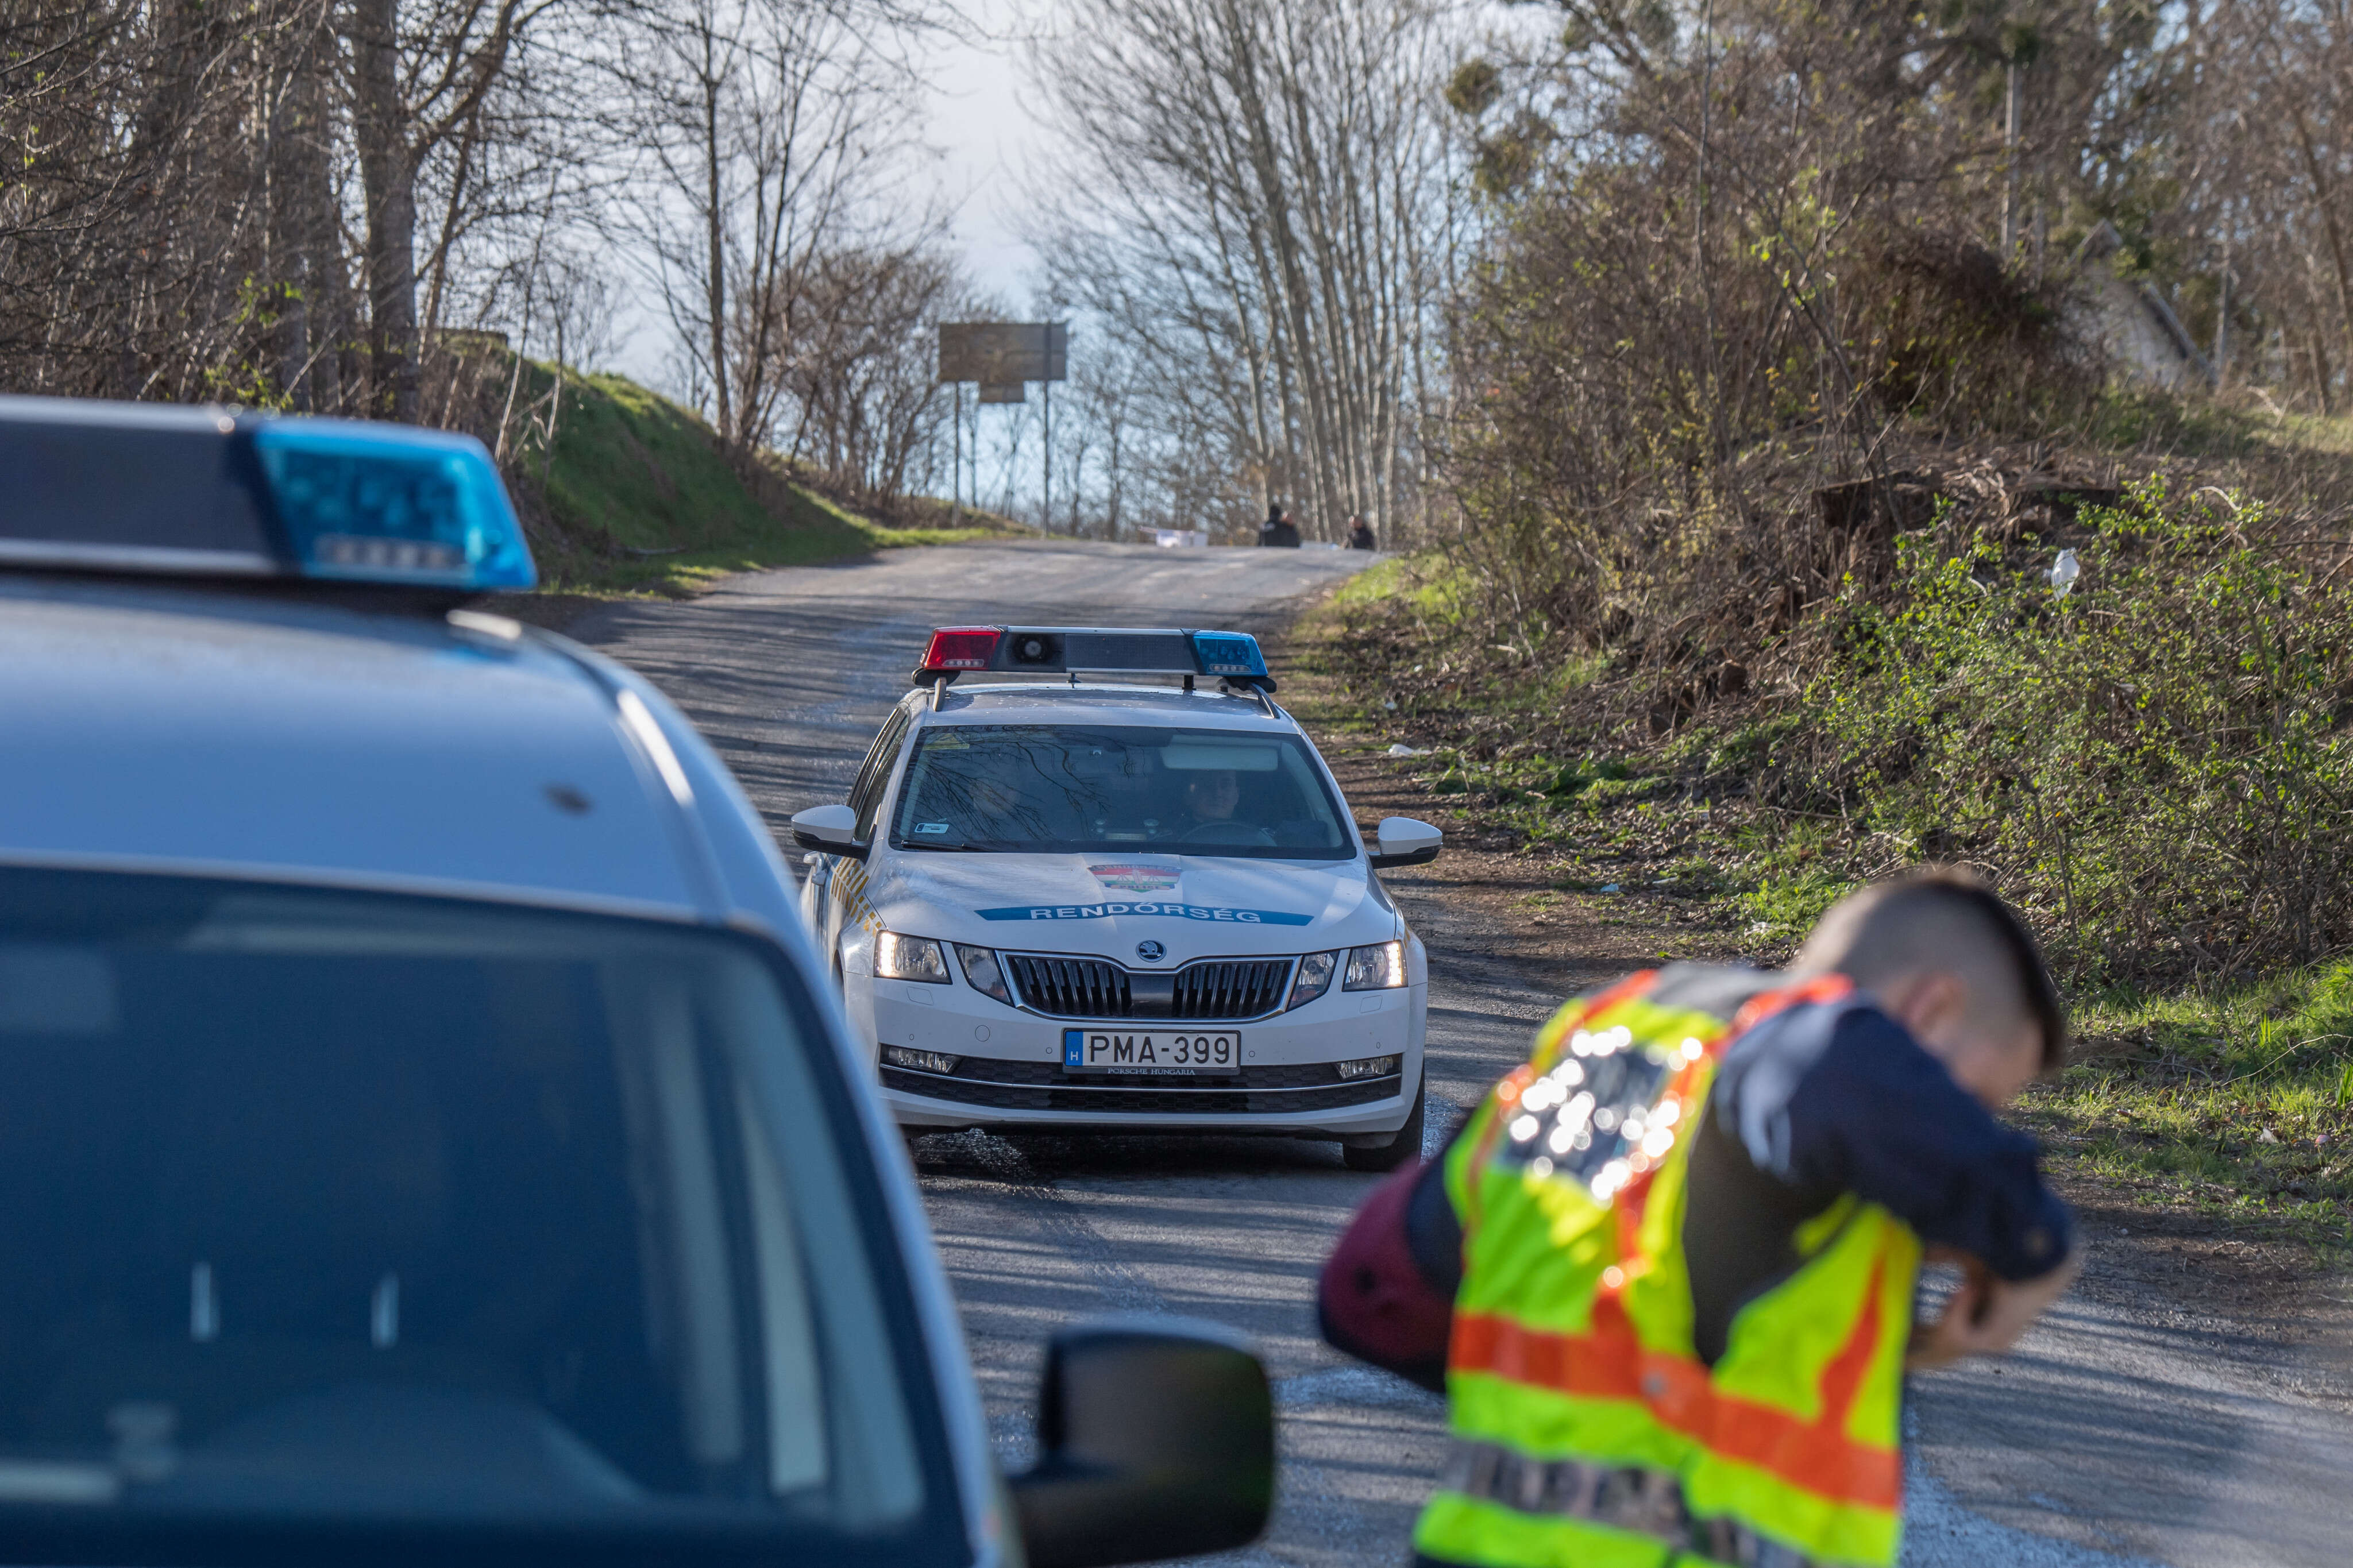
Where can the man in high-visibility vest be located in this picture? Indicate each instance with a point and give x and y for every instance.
(1665, 1272)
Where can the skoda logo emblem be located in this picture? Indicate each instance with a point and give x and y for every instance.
(1150, 952)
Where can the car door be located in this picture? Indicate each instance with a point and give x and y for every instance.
(865, 799)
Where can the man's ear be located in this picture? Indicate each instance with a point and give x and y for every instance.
(1927, 1003)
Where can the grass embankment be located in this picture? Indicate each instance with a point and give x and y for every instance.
(2158, 767)
(636, 497)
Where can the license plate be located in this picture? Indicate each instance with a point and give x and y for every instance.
(1159, 1053)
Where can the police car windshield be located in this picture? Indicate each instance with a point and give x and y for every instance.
(332, 1209)
(1071, 789)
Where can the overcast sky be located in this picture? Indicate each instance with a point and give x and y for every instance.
(981, 116)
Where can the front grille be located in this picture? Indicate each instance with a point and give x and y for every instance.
(1231, 987)
(1250, 1099)
(1204, 990)
(1282, 1075)
(1071, 987)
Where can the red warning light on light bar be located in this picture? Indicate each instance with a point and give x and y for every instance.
(963, 647)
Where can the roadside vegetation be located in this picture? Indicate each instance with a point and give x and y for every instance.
(2154, 766)
(1833, 498)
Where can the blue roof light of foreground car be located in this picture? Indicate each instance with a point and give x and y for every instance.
(171, 491)
(1229, 653)
(364, 503)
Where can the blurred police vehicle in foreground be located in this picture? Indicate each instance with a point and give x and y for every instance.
(425, 1133)
(1119, 906)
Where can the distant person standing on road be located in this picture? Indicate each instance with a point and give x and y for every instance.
(1278, 531)
(1665, 1272)
(1360, 533)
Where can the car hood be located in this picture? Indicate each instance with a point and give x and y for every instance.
(1194, 906)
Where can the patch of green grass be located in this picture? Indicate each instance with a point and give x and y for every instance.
(644, 471)
(2237, 1100)
(639, 501)
(1375, 583)
(1426, 584)
(2130, 417)
(1788, 897)
(2143, 417)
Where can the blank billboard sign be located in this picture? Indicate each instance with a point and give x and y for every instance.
(998, 354)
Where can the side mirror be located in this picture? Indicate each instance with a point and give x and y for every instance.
(828, 829)
(1400, 841)
(1158, 1441)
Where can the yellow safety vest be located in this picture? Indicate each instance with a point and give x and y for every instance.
(1588, 1434)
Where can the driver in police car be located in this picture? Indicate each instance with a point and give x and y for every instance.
(1212, 795)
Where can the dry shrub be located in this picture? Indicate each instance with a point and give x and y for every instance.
(1965, 344)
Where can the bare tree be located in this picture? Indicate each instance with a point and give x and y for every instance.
(772, 131)
(865, 399)
(1257, 197)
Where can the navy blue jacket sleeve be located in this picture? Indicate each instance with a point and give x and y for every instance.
(1834, 1100)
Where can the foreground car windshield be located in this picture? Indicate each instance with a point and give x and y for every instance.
(328, 1208)
(1064, 789)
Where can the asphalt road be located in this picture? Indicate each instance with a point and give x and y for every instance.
(2121, 1433)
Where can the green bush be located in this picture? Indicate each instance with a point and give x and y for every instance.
(2156, 765)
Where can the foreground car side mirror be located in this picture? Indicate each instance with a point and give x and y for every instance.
(1400, 841)
(830, 830)
(1156, 1440)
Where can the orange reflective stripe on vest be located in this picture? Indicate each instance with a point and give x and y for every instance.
(1610, 1363)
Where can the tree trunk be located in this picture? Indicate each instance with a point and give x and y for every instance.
(304, 242)
(2325, 196)
(715, 239)
(388, 179)
(287, 250)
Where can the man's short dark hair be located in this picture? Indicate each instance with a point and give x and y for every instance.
(1949, 892)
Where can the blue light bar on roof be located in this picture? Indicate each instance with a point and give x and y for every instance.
(192, 492)
(1234, 654)
(366, 503)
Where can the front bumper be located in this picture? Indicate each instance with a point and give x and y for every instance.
(1008, 1072)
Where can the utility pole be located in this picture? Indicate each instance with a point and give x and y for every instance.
(2010, 168)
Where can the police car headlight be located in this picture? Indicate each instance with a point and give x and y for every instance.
(1365, 1066)
(1376, 968)
(1314, 979)
(982, 972)
(899, 957)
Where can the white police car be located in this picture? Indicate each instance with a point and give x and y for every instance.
(1064, 904)
(426, 1133)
